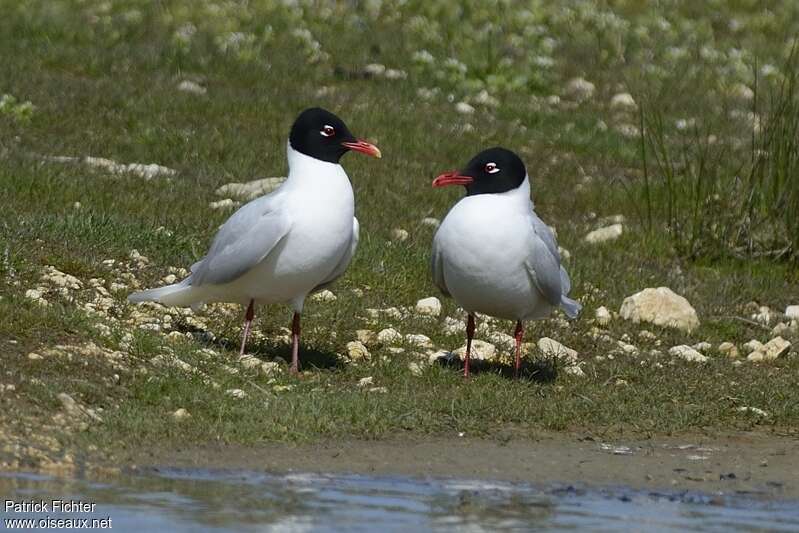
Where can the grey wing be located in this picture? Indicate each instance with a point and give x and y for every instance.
(243, 241)
(342, 265)
(543, 263)
(437, 268)
(544, 233)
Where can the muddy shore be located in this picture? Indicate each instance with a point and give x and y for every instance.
(738, 463)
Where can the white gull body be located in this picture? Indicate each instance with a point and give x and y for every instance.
(494, 256)
(279, 247)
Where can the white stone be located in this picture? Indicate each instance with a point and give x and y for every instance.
(236, 393)
(501, 339)
(324, 296)
(689, 354)
(366, 382)
(365, 336)
(744, 92)
(453, 326)
(415, 368)
(430, 306)
(417, 339)
(606, 234)
(770, 351)
(629, 349)
(55, 277)
(227, 203)
(574, 370)
(603, 316)
(623, 102)
(553, 348)
(580, 89)
(399, 235)
(188, 86)
(389, 336)
(181, 414)
(481, 350)
(251, 189)
(752, 345)
(754, 410)
(662, 307)
(375, 69)
(792, 312)
(728, 349)
(464, 108)
(33, 356)
(357, 351)
(702, 346)
(763, 315)
(431, 222)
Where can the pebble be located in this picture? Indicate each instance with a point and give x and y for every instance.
(580, 89)
(792, 312)
(366, 382)
(399, 235)
(606, 234)
(728, 349)
(464, 108)
(181, 414)
(188, 86)
(431, 222)
(770, 351)
(419, 340)
(553, 348)
(481, 350)
(250, 190)
(365, 336)
(223, 204)
(236, 393)
(752, 345)
(754, 410)
(687, 353)
(702, 346)
(453, 326)
(33, 356)
(623, 102)
(763, 315)
(430, 306)
(389, 336)
(662, 307)
(357, 351)
(415, 368)
(324, 296)
(602, 316)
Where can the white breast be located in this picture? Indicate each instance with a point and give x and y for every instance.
(320, 203)
(485, 241)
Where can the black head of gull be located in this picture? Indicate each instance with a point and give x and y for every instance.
(492, 171)
(320, 134)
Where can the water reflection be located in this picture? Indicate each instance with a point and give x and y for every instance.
(225, 500)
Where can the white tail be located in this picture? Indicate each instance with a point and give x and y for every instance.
(178, 294)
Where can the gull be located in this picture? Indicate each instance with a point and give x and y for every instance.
(283, 246)
(493, 254)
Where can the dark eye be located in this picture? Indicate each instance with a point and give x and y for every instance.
(328, 131)
(491, 168)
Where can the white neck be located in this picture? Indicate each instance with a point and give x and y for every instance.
(306, 168)
(520, 195)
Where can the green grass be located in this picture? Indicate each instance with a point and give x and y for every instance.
(102, 80)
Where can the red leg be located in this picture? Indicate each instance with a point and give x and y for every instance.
(248, 316)
(295, 344)
(519, 335)
(469, 336)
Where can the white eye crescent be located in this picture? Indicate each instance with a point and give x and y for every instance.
(491, 168)
(327, 131)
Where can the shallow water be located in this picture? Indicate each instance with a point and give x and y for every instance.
(173, 499)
